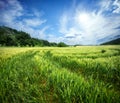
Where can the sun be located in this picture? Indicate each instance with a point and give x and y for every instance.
(83, 17)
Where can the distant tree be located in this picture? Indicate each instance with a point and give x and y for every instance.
(46, 43)
(37, 42)
(23, 38)
(12, 37)
(53, 44)
(112, 42)
(61, 44)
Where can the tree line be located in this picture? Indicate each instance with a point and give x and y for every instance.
(13, 37)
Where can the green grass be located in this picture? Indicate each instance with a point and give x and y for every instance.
(86, 74)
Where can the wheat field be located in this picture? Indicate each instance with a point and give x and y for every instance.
(84, 74)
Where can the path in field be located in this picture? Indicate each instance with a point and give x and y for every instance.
(60, 75)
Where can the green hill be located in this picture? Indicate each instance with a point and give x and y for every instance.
(112, 42)
(12, 37)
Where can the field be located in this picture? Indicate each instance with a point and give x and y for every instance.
(85, 74)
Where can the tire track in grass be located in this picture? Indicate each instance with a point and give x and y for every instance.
(20, 80)
(32, 77)
(97, 70)
(68, 87)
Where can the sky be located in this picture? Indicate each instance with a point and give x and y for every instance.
(85, 22)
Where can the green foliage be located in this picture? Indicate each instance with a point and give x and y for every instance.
(60, 75)
(112, 42)
(103, 51)
(61, 44)
(12, 37)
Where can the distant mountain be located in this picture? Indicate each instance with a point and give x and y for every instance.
(12, 37)
(112, 42)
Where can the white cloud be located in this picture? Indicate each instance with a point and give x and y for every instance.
(34, 22)
(76, 26)
(105, 5)
(41, 32)
(54, 38)
(88, 27)
(117, 4)
(13, 15)
(110, 5)
(38, 13)
(11, 9)
(63, 22)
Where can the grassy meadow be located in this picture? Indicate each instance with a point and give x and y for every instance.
(85, 74)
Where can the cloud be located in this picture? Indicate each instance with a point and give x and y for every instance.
(117, 4)
(63, 22)
(90, 26)
(14, 15)
(78, 25)
(42, 32)
(110, 5)
(105, 5)
(54, 38)
(33, 22)
(10, 10)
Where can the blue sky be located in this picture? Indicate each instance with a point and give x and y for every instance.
(70, 21)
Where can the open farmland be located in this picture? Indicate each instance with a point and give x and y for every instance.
(85, 74)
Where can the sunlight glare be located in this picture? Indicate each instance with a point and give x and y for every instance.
(83, 17)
